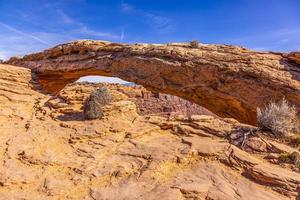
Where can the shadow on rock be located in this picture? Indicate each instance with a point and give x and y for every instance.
(76, 116)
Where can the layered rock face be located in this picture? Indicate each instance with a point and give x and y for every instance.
(230, 81)
(294, 56)
(48, 150)
(160, 104)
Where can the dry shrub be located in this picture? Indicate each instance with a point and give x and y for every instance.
(292, 158)
(279, 118)
(295, 140)
(93, 105)
(195, 44)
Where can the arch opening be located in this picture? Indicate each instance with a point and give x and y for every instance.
(97, 79)
(147, 102)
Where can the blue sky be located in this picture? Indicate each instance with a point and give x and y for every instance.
(32, 25)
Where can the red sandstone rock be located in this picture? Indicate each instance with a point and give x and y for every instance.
(48, 151)
(228, 80)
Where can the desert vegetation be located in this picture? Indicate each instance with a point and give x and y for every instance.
(279, 118)
(295, 140)
(195, 44)
(291, 158)
(93, 105)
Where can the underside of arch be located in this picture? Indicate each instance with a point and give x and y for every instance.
(228, 80)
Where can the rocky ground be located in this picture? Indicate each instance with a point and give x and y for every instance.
(139, 150)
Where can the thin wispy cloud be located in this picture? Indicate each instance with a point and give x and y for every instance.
(122, 36)
(3, 55)
(64, 18)
(81, 28)
(14, 44)
(10, 28)
(277, 39)
(127, 8)
(84, 30)
(35, 25)
(160, 23)
(17, 42)
(284, 34)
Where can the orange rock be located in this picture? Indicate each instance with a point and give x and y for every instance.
(48, 151)
(228, 80)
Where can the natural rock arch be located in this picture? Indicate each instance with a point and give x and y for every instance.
(228, 80)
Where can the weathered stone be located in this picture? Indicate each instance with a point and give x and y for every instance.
(228, 80)
(294, 56)
(48, 150)
(281, 180)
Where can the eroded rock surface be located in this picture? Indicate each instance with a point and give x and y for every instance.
(294, 56)
(147, 102)
(47, 151)
(228, 80)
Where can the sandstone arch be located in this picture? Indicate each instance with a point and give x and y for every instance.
(228, 80)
